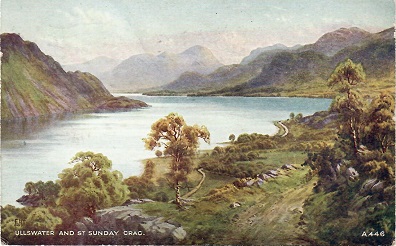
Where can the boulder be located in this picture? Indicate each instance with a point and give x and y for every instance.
(264, 176)
(137, 201)
(250, 182)
(259, 181)
(378, 187)
(288, 167)
(366, 187)
(133, 228)
(235, 205)
(272, 173)
(352, 174)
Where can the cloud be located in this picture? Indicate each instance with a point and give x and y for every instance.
(88, 16)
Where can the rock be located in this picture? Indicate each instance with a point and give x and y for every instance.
(235, 205)
(381, 206)
(137, 201)
(366, 187)
(179, 234)
(272, 173)
(378, 187)
(142, 229)
(351, 173)
(250, 182)
(264, 176)
(288, 167)
(260, 181)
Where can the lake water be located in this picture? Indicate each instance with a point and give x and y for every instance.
(40, 150)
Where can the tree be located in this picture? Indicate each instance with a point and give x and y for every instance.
(42, 219)
(381, 126)
(291, 116)
(90, 185)
(346, 76)
(42, 193)
(298, 117)
(231, 138)
(180, 142)
(158, 153)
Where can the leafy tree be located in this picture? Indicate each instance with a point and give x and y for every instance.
(46, 193)
(350, 106)
(298, 117)
(42, 219)
(148, 170)
(381, 126)
(90, 185)
(380, 170)
(347, 75)
(291, 116)
(179, 141)
(158, 153)
(231, 138)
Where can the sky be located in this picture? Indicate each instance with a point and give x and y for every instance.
(75, 31)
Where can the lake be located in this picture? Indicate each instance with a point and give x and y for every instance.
(41, 149)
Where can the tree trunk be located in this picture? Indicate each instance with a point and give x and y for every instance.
(177, 198)
(354, 136)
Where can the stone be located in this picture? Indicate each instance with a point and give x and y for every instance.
(153, 230)
(351, 173)
(235, 205)
(272, 173)
(366, 187)
(250, 182)
(260, 181)
(179, 234)
(288, 167)
(378, 187)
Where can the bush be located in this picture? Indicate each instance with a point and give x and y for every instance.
(161, 196)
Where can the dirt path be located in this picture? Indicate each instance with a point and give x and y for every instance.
(198, 186)
(284, 128)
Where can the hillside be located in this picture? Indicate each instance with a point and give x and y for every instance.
(332, 42)
(146, 70)
(34, 84)
(225, 76)
(304, 72)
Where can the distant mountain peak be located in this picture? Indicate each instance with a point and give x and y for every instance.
(332, 42)
(198, 50)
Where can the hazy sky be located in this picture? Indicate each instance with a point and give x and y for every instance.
(74, 31)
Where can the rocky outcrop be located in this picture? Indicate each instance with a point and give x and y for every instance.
(127, 225)
(34, 84)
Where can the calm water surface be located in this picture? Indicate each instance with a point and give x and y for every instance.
(39, 150)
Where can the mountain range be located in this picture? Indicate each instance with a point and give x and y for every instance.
(34, 84)
(279, 65)
(144, 71)
(98, 66)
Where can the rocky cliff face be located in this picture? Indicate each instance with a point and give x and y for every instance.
(126, 225)
(34, 84)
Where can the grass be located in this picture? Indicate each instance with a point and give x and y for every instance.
(215, 222)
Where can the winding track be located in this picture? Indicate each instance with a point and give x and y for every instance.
(284, 128)
(198, 186)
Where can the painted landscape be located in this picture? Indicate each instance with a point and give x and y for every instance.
(197, 122)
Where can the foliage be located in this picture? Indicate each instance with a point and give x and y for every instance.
(179, 141)
(365, 135)
(350, 106)
(140, 186)
(42, 219)
(90, 185)
(47, 192)
(380, 130)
